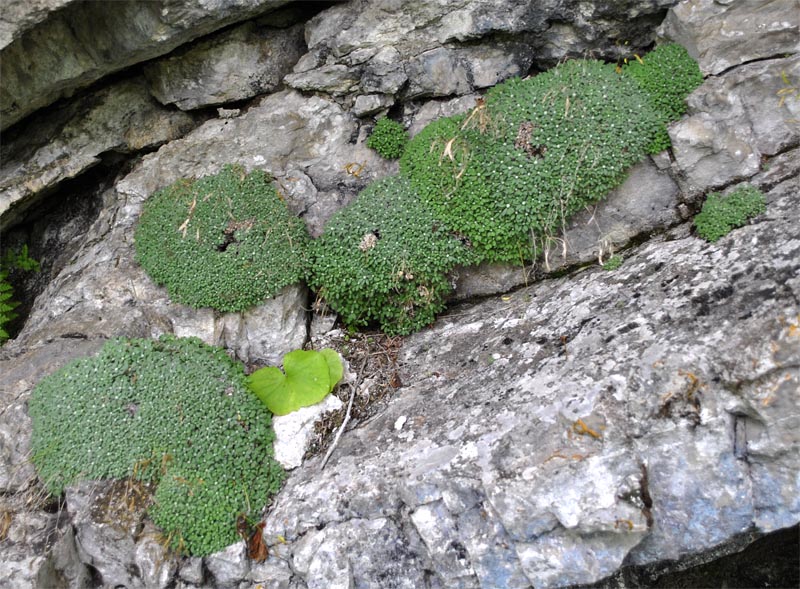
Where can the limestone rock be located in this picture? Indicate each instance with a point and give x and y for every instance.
(606, 417)
(293, 431)
(721, 35)
(443, 49)
(20, 15)
(735, 119)
(237, 64)
(80, 43)
(121, 118)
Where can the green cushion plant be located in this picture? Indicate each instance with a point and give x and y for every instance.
(722, 214)
(508, 174)
(667, 75)
(174, 412)
(386, 258)
(225, 241)
(388, 138)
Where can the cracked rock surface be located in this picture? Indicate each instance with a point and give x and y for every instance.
(630, 416)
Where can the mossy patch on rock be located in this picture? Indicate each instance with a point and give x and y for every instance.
(225, 241)
(722, 214)
(174, 412)
(508, 174)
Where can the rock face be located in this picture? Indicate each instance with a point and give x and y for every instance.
(736, 119)
(77, 43)
(587, 424)
(719, 35)
(122, 118)
(240, 63)
(641, 405)
(391, 48)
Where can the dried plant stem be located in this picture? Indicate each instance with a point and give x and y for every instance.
(353, 389)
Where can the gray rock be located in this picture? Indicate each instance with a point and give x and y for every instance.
(735, 119)
(646, 202)
(228, 567)
(294, 431)
(435, 109)
(121, 118)
(20, 15)
(191, 570)
(721, 35)
(368, 104)
(80, 43)
(106, 531)
(429, 49)
(273, 573)
(604, 417)
(234, 65)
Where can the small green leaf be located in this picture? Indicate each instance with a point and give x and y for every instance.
(309, 377)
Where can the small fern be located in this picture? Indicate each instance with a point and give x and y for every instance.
(7, 306)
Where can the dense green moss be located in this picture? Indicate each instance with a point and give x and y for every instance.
(225, 241)
(385, 258)
(722, 214)
(509, 173)
(176, 412)
(667, 75)
(388, 138)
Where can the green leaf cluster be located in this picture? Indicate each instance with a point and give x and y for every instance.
(225, 241)
(722, 214)
(173, 411)
(7, 305)
(667, 75)
(388, 138)
(386, 259)
(309, 377)
(11, 261)
(512, 171)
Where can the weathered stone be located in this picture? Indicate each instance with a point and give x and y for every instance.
(369, 104)
(156, 566)
(273, 573)
(80, 43)
(20, 15)
(647, 201)
(721, 35)
(294, 431)
(105, 532)
(234, 65)
(735, 119)
(228, 567)
(430, 49)
(121, 118)
(639, 431)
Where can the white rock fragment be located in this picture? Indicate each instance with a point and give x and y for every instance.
(293, 432)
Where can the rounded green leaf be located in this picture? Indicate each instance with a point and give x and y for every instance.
(307, 378)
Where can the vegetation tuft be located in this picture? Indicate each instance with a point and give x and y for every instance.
(388, 138)
(386, 258)
(225, 241)
(667, 75)
(722, 214)
(174, 412)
